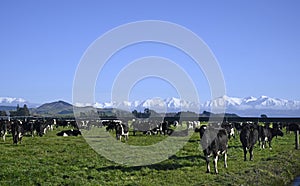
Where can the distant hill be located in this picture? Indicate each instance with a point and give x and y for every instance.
(54, 109)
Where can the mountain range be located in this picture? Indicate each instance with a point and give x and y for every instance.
(248, 106)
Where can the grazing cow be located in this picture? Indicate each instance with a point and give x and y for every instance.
(121, 130)
(28, 127)
(146, 126)
(292, 127)
(214, 141)
(40, 127)
(17, 131)
(164, 127)
(3, 129)
(229, 129)
(248, 137)
(69, 133)
(154, 131)
(266, 134)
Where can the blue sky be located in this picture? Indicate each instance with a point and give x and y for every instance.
(256, 43)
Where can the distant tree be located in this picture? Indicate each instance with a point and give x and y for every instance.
(263, 116)
(135, 113)
(26, 111)
(20, 111)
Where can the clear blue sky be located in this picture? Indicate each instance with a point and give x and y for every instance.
(256, 43)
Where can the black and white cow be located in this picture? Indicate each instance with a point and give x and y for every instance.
(165, 127)
(69, 133)
(238, 127)
(214, 142)
(266, 134)
(229, 129)
(121, 131)
(292, 127)
(3, 128)
(17, 131)
(248, 138)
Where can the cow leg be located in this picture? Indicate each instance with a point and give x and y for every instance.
(270, 145)
(225, 159)
(20, 137)
(245, 153)
(251, 153)
(3, 137)
(207, 165)
(216, 164)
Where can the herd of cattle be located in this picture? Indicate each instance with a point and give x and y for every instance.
(18, 127)
(214, 136)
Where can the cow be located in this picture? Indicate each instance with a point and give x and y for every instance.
(266, 134)
(17, 131)
(292, 127)
(40, 127)
(3, 128)
(238, 126)
(121, 130)
(146, 127)
(28, 126)
(248, 138)
(229, 129)
(69, 133)
(165, 127)
(214, 142)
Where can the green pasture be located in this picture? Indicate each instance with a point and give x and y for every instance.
(54, 160)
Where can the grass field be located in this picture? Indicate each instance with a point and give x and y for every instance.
(53, 160)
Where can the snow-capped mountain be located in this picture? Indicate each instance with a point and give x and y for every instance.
(9, 101)
(254, 106)
(262, 102)
(157, 104)
(248, 106)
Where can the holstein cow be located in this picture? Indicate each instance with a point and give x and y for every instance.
(121, 130)
(69, 133)
(229, 129)
(248, 137)
(292, 127)
(214, 141)
(3, 129)
(266, 134)
(40, 127)
(17, 131)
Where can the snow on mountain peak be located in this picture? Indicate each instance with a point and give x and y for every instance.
(10, 100)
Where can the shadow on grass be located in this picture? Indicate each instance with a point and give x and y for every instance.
(160, 166)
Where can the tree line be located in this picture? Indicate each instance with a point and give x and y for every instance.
(20, 111)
